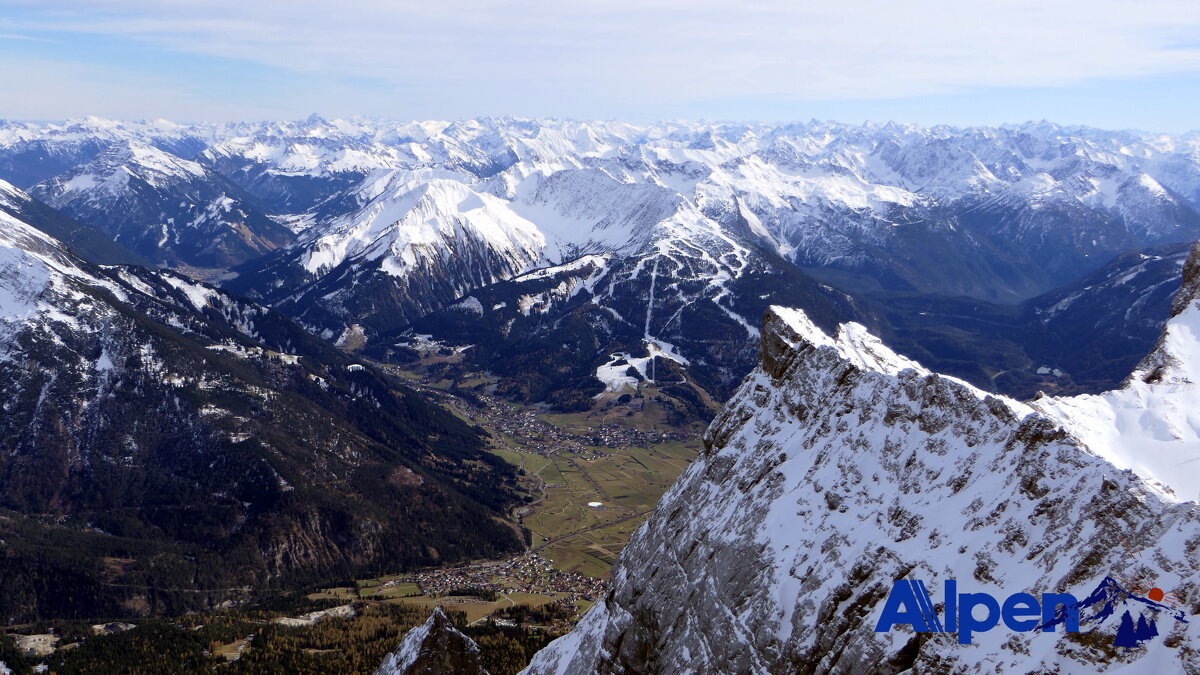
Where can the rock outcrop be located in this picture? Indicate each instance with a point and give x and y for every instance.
(434, 648)
(840, 467)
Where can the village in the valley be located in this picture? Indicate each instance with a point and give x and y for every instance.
(527, 574)
(540, 437)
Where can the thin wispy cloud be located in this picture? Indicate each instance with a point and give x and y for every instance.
(588, 58)
(17, 36)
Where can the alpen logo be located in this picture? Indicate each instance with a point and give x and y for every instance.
(1140, 585)
(910, 603)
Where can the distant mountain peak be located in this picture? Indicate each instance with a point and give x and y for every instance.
(315, 119)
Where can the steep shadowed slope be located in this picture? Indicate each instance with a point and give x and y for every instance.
(165, 445)
(166, 209)
(86, 241)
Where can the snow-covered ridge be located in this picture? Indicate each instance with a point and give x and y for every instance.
(839, 467)
(409, 218)
(852, 342)
(91, 128)
(12, 197)
(43, 287)
(1150, 426)
(597, 262)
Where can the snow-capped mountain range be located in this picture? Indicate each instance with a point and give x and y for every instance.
(993, 213)
(820, 194)
(698, 221)
(839, 467)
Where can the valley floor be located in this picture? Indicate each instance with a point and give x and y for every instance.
(591, 478)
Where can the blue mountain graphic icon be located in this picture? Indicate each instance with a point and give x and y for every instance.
(1111, 599)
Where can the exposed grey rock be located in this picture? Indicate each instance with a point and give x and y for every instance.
(839, 467)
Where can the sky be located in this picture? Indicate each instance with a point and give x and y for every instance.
(1105, 63)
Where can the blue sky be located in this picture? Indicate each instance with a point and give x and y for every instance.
(1101, 62)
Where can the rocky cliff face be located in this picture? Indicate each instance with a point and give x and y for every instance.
(839, 467)
(434, 648)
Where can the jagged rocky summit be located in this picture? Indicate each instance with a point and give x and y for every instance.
(839, 467)
(434, 648)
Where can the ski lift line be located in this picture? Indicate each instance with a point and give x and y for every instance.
(650, 305)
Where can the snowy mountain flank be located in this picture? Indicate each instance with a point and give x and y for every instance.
(839, 467)
(165, 208)
(207, 443)
(415, 245)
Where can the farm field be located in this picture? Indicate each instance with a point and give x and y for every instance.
(591, 504)
(477, 609)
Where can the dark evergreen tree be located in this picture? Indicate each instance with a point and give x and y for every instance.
(1143, 632)
(1126, 634)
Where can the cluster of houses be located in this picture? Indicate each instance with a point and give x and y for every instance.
(527, 573)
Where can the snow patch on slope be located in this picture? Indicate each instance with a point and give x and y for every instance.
(615, 373)
(200, 296)
(1152, 424)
